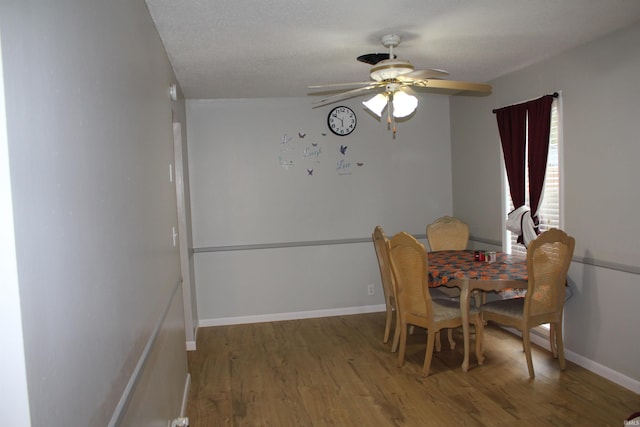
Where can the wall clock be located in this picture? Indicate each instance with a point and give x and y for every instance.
(341, 120)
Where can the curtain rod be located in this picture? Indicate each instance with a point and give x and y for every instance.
(554, 94)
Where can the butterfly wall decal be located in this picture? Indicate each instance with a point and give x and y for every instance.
(302, 135)
(343, 149)
(359, 163)
(285, 163)
(310, 171)
(314, 144)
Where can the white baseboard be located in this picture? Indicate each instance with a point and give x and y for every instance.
(239, 320)
(605, 372)
(595, 367)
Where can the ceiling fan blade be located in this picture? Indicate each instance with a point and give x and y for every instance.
(345, 95)
(430, 73)
(373, 58)
(455, 87)
(339, 85)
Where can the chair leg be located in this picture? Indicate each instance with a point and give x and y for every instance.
(431, 340)
(479, 327)
(477, 298)
(403, 344)
(396, 334)
(387, 326)
(552, 340)
(560, 345)
(526, 340)
(452, 343)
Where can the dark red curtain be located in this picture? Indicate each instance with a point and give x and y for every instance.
(514, 122)
(539, 112)
(512, 125)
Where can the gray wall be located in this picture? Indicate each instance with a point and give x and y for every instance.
(600, 94)
(90, 142)
(241, 195)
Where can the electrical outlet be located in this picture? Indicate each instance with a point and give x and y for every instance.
(371, 289)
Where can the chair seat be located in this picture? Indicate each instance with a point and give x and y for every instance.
(438, 294)
(512, 307)
(448, 309)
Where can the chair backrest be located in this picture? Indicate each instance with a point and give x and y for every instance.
(447, 233)
(548, 260)
(381, 245)
(410, 269)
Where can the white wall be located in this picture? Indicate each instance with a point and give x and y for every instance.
(12, 365)
(90, 141)
(241, 195)
(600, 94)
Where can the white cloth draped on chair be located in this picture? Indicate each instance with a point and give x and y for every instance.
(520, 223)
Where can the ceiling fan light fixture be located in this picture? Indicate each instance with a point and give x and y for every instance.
(376, 104)
(404, 104)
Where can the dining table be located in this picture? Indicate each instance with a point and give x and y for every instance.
(462, 269)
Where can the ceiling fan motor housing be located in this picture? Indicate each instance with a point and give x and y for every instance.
(390, 69)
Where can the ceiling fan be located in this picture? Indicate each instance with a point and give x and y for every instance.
(393, 79)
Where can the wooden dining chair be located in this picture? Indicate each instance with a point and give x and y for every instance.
(451, 234)
(409, 266)
(381, 245)
(548, 260)
(447, 233)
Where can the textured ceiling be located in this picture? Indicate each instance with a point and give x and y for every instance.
(276, 48)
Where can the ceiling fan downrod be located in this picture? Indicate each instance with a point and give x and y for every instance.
(390, 41)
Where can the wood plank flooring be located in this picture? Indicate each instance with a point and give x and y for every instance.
(336, 371)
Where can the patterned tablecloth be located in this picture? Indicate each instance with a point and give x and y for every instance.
(450, 265)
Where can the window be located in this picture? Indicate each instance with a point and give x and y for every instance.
(550, 214)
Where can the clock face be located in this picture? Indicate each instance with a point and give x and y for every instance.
(342, 120)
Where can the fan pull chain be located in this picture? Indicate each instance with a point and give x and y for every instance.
(391, 121)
